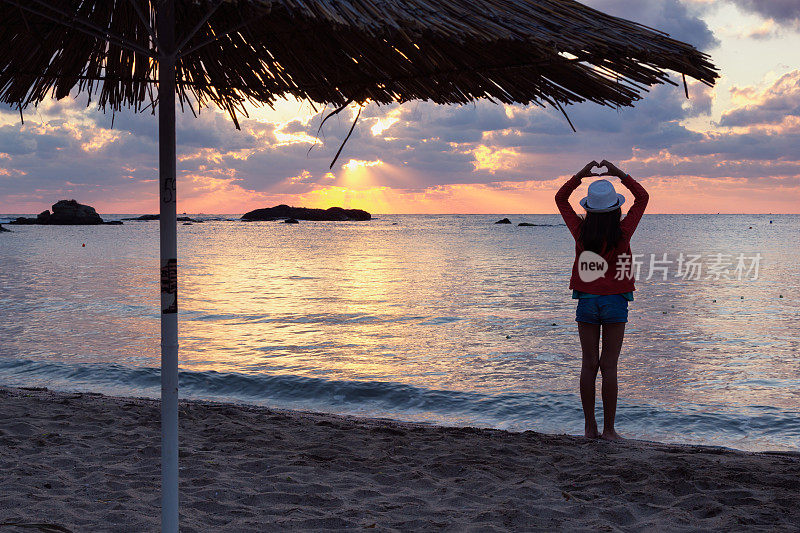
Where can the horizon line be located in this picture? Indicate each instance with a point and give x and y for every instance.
(429, 214)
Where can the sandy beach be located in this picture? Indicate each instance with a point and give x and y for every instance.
(87, 462)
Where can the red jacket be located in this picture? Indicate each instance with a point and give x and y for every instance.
(618, 278)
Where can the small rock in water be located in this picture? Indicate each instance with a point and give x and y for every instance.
(714, 301)
(503, 221)
(508, 336)
(780, 296)
(291, 221)
(741, 297)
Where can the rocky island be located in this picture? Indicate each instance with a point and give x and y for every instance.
(285, 212)
(66, 213)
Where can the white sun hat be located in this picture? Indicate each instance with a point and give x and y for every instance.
(602, 198)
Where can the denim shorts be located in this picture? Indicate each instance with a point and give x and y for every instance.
(608, 309)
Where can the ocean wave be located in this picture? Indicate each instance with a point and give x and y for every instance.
(754, 428)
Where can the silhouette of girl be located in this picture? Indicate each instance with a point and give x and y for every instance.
(602, 282)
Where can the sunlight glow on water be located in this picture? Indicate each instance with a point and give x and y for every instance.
(437, 303)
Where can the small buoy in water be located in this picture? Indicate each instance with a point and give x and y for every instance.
(770, 222)
(554, 324)
(664, 312)
(714, 301)
(508, 336)
(672, 306)
(751, 227)
(741, 297)
(83, 245)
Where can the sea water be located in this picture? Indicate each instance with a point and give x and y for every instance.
(446, 319)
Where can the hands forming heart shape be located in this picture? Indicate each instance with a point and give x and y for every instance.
(606, 169)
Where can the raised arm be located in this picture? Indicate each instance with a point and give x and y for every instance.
(571, 218)
(640, 198)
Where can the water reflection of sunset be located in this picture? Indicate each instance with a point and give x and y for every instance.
(439, 303)
(388, 305)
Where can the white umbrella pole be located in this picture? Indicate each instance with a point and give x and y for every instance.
(165, 21)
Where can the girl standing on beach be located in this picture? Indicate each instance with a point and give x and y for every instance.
(602, 282)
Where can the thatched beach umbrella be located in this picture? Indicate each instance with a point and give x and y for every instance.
(141, 53)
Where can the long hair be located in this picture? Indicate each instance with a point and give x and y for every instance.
(600, 232)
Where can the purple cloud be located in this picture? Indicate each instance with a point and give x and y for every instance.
(784, 12)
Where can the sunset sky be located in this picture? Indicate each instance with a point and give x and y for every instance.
(732, 149)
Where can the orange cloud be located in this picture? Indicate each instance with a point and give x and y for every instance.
(494, 160)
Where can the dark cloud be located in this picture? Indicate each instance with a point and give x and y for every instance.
(784, 12)
(294, 126)
(13, 142)
(670, 16)
(716, 167)
(758, 146)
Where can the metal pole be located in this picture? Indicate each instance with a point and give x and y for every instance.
(165, 22)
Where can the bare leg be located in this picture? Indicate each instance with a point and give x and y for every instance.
(590, 346)
(612, 344)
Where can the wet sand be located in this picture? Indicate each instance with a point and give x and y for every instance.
(87, 462)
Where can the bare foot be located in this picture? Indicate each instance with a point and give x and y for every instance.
(591, 431)
(610, 435)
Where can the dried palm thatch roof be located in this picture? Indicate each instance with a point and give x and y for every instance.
(231, 52)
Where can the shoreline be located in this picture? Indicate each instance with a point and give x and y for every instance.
(86, 461)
